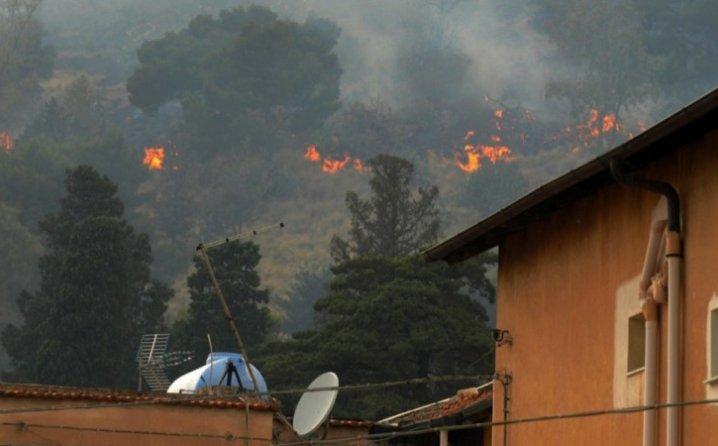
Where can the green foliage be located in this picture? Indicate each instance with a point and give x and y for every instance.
(24, 61)
(31, 175)
(631, 51)
(80, 115)
(234, 266)
(241, 77)
(389, 315)
(395, 221)
(20, 250)
(96, 297)
(389, 319)
(298, 308)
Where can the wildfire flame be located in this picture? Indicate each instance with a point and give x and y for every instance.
(472, 158)
(6, 141)
(475, 155)
(154, 157)
(312, 154)
(596, 126)
(330, 165)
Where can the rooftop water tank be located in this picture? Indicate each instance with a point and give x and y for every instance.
(221, 369)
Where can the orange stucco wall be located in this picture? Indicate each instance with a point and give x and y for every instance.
(558, 281)
(155, 418)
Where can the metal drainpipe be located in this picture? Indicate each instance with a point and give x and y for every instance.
(505, 380)
(673, 259)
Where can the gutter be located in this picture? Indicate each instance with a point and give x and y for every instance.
(650, 294)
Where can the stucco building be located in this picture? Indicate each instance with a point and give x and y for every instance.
(51, 415)
(608, 287)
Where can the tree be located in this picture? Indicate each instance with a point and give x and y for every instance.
(241, 78)
(390, 319)
(389, 315)
(395, 221)
(298, 308)
(673, 43)
(80, 114)
(20, 250)
(96, 297)
(24, 62)
(235, 266)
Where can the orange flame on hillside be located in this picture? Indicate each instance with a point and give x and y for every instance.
(6, 141)
(471, 160)
(596, 126)
(475, 155)
(154, 158)
(330, 165)
(312, 154)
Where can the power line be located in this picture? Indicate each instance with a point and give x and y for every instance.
(350, 387)
(383, 385)
(536, 419)
(377, 437)
(227, 436)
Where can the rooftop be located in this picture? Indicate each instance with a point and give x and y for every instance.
(37, 391)
(658, 141)
(465, 403)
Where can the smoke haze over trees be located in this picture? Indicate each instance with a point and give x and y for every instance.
(215, 117)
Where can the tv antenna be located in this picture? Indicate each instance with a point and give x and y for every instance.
(202, 251)
(153, 358)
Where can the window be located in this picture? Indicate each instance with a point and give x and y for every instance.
(714, 343)
(636, 343)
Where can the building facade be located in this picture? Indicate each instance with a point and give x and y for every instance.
(50, 415)
(585, 289)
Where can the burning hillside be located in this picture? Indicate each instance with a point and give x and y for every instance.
(331, 165)
(154, 158)
(6, 141)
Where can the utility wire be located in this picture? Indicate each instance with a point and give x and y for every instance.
(536, 419)
(383, 385)
(377, 437)
(227, 436)
(368, 386)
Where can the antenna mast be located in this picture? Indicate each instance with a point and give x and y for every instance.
(202, 251)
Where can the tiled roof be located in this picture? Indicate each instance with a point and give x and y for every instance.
(119, 396)
(350, 423)
(344, 422)
(463, 400)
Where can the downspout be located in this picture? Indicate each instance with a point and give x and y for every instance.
(673, 259)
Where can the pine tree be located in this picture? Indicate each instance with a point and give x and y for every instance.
(96, 297)
(389, 315)
(234, 265)
(395, 221)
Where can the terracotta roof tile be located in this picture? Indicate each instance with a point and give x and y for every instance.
(464, 399)
(125, 396)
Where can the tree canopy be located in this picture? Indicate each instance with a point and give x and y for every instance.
(241, 77)
(24, 61)
(396, 220)
(234, 266)
(389, 315)
(96, 297)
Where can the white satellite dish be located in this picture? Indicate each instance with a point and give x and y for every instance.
(314, 407)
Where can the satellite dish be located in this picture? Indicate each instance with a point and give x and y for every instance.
(314, 408)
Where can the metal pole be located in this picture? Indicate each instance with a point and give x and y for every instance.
(227, 312)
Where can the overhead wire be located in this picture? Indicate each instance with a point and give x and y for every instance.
(226, 436)
(381, 437)
(536, 419)
(349, 387)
